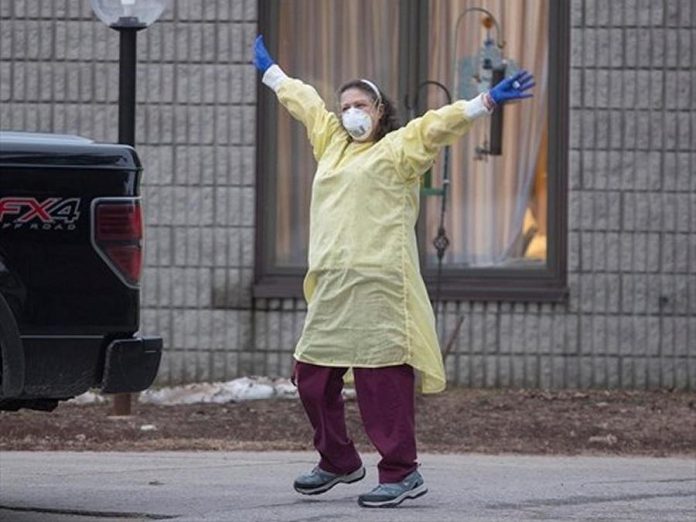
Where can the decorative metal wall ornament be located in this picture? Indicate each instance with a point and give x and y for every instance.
(479, 73)
(441, 241)
(473, 75)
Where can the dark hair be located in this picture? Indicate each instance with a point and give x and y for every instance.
(389, 120)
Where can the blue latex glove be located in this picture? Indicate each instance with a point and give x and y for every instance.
(262, 60)
(514, 88)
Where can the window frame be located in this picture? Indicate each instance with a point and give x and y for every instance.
(548, 284)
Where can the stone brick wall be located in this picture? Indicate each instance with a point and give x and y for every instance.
(633, 192)
(631, 317)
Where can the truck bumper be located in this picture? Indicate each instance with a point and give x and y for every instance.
(131, 364)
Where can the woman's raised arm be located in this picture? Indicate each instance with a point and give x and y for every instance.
(301, 100)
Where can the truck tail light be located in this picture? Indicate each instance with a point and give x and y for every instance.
(118, 234)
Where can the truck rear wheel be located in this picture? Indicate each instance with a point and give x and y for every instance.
(11, 353)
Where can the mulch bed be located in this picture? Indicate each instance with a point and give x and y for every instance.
(655, 423)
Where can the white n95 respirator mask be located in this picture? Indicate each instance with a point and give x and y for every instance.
(357, 123)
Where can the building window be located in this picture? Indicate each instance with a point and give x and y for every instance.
(505, 214)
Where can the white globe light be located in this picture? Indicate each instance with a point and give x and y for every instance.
(135, 14)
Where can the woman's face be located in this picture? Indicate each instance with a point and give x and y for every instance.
(355, 98)
(359, 99)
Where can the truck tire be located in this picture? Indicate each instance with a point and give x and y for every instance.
(11, 353)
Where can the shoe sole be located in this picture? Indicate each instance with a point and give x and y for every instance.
(357, 475)
(410, 494)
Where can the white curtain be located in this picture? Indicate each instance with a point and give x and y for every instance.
(490, 198)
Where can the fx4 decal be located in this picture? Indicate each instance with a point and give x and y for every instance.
(32, 214)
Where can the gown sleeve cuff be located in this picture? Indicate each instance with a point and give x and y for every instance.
(274, 76)
(476, 108)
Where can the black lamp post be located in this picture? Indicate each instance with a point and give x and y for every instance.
(126, 81)
(127, 17)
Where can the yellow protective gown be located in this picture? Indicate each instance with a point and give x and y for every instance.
(367, 305)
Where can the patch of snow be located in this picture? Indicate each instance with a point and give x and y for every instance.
(89, 397)
(284, 389)
(236, 390)
(609, 439)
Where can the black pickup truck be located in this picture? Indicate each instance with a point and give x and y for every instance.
(70, 263)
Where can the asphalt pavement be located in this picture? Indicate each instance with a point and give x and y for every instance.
(257, 486)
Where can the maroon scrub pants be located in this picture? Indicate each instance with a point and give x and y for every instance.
(386, 401)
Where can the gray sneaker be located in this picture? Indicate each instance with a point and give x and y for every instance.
(317, 481)
(393, 494)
